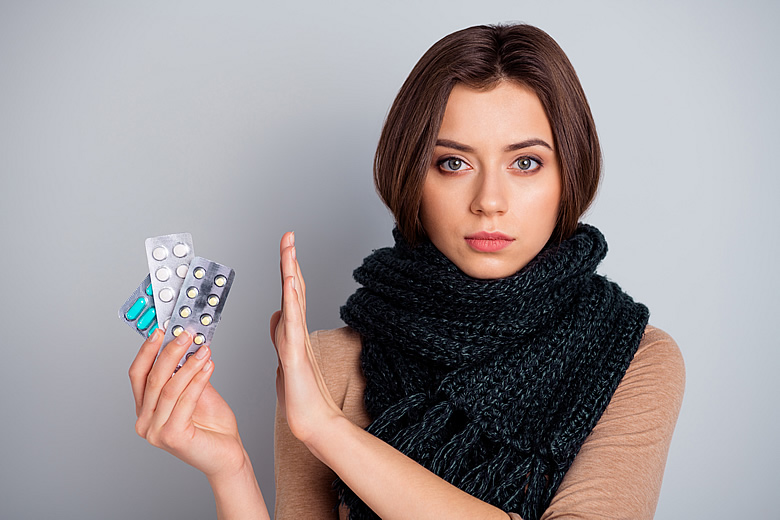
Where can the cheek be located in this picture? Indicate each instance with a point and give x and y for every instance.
(551, 204)
(431, 208)
(540, 208)
(549, 200)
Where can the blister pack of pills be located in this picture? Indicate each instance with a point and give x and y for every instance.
(182, 292)
(169, 257)
(138, 311)
(199, 306)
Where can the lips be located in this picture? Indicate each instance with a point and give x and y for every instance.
(489, 242)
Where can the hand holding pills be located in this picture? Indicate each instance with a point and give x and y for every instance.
(184, 414)
(160, 301)
(178, 409)
(176, 309)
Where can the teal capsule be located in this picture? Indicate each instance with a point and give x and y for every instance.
(146, 319)
(152, 329)
(149, 290)
(133, 312)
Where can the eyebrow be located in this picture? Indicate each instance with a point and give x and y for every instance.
(510, 148)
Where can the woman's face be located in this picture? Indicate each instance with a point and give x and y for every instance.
(491, 196)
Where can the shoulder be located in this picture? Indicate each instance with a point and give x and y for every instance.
(343, 338)
(620, 466)
(658, 362)
(337, 353)
(651, 391)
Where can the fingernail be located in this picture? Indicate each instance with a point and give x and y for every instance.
(202, 352)
(183, 338)
(292, 238)
(293, 282)
(295, 256)
(155, 336)
(207, 366)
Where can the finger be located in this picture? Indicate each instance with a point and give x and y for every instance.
(288, 240)
(300, 282)
(287, 269)
(142, 365)
(302, 287)
(287, 261)
(290, 268)
(171, 393)
(300, 291)
(292, 327)
(161, 372)
(181, 415)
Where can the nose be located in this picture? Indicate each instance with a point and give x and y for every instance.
(490, 194)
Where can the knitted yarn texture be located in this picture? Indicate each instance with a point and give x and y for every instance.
(491, 384)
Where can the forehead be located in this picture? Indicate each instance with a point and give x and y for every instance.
(508, 112)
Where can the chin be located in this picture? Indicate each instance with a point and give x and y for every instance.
(489, 272)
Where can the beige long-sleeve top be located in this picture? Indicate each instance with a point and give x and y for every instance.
(616, 474)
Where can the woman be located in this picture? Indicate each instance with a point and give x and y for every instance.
(486, 370)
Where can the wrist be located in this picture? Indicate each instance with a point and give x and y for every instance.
(237, 494)
(239, 471)
(330, 436)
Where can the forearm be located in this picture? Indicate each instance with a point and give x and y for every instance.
(238, 495)
(391, 483)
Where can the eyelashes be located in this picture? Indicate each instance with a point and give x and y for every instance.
(453, 164)
(526, 164)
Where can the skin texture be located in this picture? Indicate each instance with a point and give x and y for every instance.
(185, 416)
(480, 180)
(381, 475)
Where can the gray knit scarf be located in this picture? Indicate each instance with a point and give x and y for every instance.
(491, 384)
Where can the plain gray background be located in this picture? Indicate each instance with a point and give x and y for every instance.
(239, 120)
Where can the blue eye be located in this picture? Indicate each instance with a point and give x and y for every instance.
(527, 164)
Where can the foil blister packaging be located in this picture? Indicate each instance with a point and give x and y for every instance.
(199, 306)
(193, 289)
(169, 257)
(138, 311)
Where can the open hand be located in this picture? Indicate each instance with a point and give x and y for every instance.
(304, 399)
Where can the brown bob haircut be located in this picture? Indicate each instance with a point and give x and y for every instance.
(480, 57)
